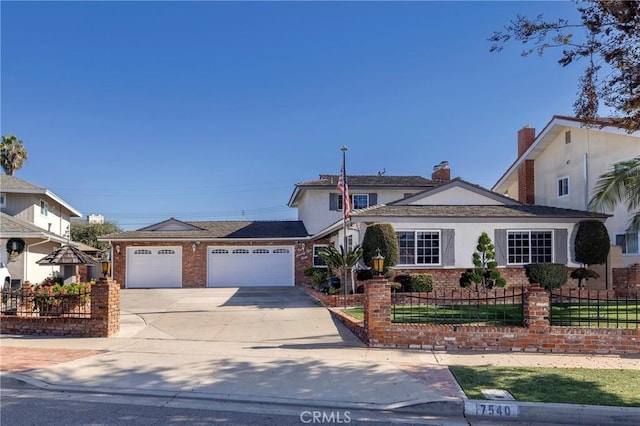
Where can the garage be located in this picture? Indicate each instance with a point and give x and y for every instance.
(236, 266)
(154, 267)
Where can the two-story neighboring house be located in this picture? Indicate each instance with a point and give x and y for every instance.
(561, 165)
(437, 221)
(33, 222)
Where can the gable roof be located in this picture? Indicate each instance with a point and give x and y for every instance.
(14, 227)
(456, 183)
(273, 230)
(11, 184)
(553, 128)
(363, 181)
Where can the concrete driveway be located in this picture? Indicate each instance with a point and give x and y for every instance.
(261, 315)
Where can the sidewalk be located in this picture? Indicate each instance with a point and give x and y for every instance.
(288, 374)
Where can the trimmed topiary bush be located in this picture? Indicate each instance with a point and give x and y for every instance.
(380, 236)
(422, 283)
(592, 243)
(485, 274)
(583, 274)
(548, 275)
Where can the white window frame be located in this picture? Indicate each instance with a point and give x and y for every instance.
(625, 245)
(416, 248)
(3, 199)
(528, 232)
(317, 262)
(44, 208)
(561, 186)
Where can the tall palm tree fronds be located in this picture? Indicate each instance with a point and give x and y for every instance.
(13, 155)
(620, 185)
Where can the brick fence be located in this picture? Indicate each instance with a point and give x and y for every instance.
(537, 335)
(104, 320)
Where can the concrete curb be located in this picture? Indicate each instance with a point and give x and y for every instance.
(526, 412)
(539, 413)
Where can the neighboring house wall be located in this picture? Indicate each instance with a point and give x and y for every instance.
(28, 208)
(579, 158)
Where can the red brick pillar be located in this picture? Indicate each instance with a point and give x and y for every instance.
(25, 303)
(377, 311)
(105, 308)
(626, 281)
(536, 308)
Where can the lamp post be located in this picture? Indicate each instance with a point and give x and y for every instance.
(378, 263)
(106, 268)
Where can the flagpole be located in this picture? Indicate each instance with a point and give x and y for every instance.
(344, 223)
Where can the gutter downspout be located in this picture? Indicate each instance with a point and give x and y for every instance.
(26, 252)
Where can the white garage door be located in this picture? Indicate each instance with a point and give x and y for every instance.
(154, 267)
(250, 266)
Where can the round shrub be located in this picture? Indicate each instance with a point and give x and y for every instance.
(422, 283)
(548, 275)
(592, 243)
(380, 236)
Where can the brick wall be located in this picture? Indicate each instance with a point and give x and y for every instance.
(449, 279)
(335, 300)
(104, 320)
(304, 259)
(536, 336)
(626, 281)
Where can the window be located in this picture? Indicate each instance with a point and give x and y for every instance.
(281, 251)
(419, 247)
(142, 251)
(628, 242)
(317, 261)
(166, 251)
(567, 136)
(563, 186)
(260, 251)
(529, 247)
(3, 200)
(358, 201)
(44, 208)
(219, 251)
(240, 251)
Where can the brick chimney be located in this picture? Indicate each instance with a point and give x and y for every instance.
(441, 172)
(526, 189)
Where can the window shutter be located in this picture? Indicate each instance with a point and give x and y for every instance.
(560, 245)
(500, 242)
(373, 199)
(333, 201)
(448, 247)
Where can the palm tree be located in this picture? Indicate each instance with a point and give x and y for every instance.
(13, 155)
(337, 261)
(620, 185)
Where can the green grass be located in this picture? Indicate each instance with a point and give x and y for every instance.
(562, 385)
(605, 314)
(451, 314)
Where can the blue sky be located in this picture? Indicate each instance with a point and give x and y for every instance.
(142, 111)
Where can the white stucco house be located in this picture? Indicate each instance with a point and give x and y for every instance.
(33, 222)
(437, 221)
(560, 166)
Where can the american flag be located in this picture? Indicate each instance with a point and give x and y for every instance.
(344, 190)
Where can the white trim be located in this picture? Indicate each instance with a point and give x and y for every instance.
(314, 257)
(44, 206)
(49, 194)
(529, 231)
(617, 234)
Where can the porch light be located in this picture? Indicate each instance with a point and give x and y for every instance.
(106, 268)
(378, 263)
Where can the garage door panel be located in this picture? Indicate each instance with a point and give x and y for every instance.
(249, 266)
(152, 267)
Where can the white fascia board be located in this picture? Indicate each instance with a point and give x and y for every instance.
(43, 235)
(226, 240)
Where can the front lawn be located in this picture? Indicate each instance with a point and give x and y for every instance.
(609, 314)
(562, 385)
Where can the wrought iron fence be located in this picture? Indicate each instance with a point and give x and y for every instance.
(589, 308)
(26, 303)
(500, 307)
